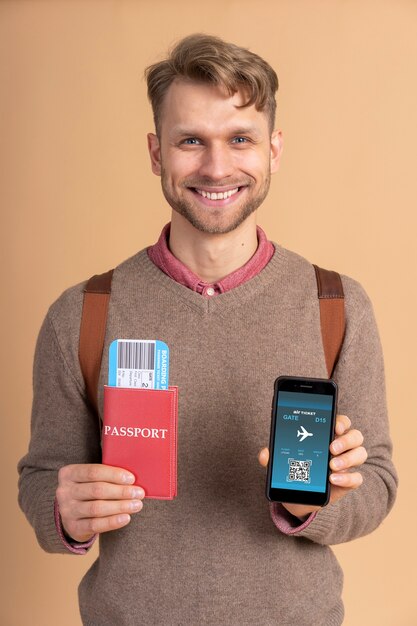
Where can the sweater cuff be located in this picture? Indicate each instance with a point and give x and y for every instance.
(325, 521)
(285, 522)
(73, 546)
(37, 500)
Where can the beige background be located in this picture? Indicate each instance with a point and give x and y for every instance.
(77, 197)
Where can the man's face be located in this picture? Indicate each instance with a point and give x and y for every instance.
(214, 159)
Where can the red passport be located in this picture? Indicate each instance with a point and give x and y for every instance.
(140, 435)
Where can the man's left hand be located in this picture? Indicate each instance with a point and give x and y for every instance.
(348, 453)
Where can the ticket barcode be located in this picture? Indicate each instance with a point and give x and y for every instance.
(136, 355)
(299, 471)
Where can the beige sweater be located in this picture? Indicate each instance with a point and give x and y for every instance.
(213, 555)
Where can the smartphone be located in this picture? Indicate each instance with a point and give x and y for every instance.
(302, 428)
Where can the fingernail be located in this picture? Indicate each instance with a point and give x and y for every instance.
(136, 505)
(337, 446)
(337, 463)
(123, 519)
(336, 478)
(138, 493)
(128, 478)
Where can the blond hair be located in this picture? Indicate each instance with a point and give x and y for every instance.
(208, 59)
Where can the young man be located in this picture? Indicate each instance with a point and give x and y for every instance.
(236, 312)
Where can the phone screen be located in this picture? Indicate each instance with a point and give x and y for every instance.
(302, 429)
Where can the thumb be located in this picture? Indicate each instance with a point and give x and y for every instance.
(263, 457)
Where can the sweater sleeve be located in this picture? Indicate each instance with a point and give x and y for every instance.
(63, 431)
(360, 378)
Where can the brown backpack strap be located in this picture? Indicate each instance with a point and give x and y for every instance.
(93, 330)
(332, 314)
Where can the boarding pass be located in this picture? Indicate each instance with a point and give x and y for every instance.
(139, 363)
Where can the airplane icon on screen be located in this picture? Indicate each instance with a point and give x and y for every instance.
(303, 434)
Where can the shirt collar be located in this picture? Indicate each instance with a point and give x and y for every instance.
(163, 258)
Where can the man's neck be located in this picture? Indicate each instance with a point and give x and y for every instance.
(212, 257)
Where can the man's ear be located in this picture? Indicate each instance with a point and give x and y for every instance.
(277, 145)
(155, 153)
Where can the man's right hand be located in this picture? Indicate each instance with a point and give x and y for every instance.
(95, 498)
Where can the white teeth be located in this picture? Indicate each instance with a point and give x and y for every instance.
(220, 195)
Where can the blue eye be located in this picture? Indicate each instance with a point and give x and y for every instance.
(191, 141)
(239, 140)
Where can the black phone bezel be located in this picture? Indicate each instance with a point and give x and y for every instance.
(300, 385)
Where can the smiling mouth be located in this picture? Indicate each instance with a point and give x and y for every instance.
(217, 195)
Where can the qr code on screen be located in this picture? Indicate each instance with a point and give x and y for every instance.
(298, 471)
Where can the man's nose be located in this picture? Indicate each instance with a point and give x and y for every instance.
(217, 162)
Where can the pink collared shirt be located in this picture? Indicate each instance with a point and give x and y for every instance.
(162, 257)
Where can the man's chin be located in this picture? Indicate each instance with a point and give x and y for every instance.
(214, 225)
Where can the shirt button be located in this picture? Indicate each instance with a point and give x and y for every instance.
(210, 291)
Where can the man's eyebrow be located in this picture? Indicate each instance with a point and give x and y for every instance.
(182, 131)
(247, 130)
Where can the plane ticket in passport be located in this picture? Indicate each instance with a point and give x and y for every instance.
(139, 363)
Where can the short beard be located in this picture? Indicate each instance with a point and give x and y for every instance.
(185, 208)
